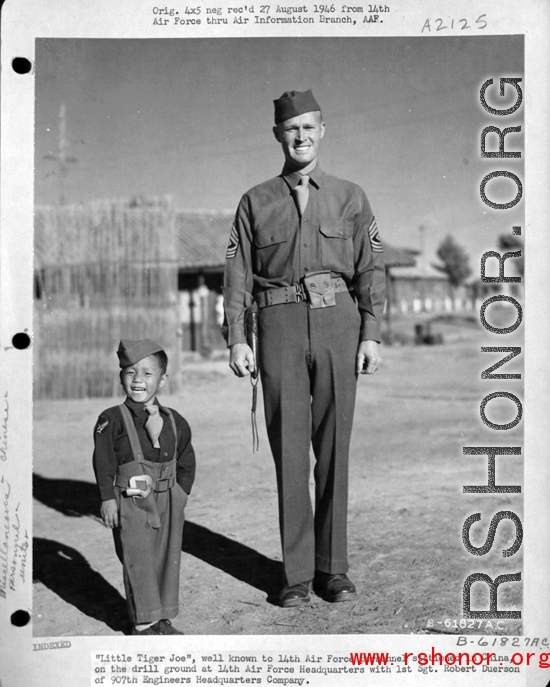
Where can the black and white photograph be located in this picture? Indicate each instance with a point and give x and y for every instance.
(279, 289)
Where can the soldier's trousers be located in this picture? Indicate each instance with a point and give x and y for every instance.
(307, 364)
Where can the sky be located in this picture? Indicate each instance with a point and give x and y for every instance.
(192, 119)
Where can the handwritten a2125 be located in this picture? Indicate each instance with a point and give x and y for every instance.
(454, 24)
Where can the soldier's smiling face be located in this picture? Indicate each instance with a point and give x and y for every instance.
(142, 380)
(300, 138)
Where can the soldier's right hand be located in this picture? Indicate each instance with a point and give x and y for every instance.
(241, 359)
(109, 513)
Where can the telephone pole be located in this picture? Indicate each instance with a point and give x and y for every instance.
(61, 156)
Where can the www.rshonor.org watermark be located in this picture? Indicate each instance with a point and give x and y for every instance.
(463, 660)
(507, 85)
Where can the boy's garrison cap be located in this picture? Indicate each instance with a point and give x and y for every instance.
(294, 103)
(130, 352)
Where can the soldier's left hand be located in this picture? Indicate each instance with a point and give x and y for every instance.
(368, 358)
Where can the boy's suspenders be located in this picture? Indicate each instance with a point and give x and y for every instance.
(133, 438)
(147, 503)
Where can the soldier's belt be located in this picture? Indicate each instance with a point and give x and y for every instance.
(158, 484)
(318, 289)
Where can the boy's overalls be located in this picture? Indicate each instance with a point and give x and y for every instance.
(149, 537)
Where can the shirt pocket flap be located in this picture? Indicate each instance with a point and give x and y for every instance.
(270, 236)
(337, 228)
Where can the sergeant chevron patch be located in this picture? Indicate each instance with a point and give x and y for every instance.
(374, 237)
(233, 244)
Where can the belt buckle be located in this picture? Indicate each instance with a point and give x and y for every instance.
(301, 294)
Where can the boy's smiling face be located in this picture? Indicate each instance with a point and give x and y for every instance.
(142, 380)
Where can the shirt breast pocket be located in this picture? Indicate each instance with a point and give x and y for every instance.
(273, 251)
(337, 245)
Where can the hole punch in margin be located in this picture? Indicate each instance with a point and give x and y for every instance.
(21, 65)
(20, 618)
(21, 341)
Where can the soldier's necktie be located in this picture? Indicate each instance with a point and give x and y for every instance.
(153, 425)
(301, 192)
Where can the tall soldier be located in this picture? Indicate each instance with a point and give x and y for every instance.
(305, 249)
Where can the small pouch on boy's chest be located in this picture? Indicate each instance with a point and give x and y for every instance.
(320, 289)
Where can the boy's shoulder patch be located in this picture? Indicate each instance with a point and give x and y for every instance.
(102, 423)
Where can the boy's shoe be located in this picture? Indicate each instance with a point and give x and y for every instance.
(152, 630)
(161, 627)
(165, 627)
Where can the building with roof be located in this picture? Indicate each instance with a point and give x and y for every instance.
(419, 288)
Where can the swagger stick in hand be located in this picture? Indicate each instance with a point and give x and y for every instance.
(251, 325)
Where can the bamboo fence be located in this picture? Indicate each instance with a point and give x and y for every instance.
(104, 272)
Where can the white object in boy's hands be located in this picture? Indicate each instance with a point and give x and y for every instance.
(140, 486)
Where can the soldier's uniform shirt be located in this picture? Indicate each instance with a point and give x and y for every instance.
(270, 246)
(112, 446)
(307, 356)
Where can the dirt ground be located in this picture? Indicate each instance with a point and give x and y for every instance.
(405, 515)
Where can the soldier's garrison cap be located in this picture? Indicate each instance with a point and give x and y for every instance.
(130, 352)
(294, 103)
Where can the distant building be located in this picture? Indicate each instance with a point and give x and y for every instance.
(419, 289)
(422, 288)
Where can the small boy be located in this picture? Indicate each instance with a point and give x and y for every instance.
(144, 465)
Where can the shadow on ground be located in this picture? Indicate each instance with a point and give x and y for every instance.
(70, 497)
(66, 572)
(233, 558)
